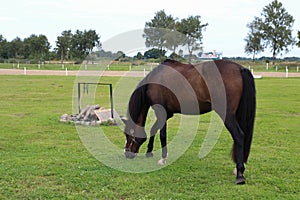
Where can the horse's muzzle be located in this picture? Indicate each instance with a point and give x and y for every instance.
(129, 154)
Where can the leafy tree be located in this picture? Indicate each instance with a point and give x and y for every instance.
(192, 28)
(82, 43)
(298, 43)
(154, 53)
(3, 45)
(63, 45)
(120, 55)
(36, 47)
(92, 39)
(254, 39)
(156, 31)
(276, 28)
(17, 48)
(139, 56)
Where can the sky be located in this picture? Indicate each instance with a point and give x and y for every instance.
(226, 30)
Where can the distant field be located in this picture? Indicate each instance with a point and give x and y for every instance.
(258, 66)
(42, 158)
(115, 66)
(279, 66)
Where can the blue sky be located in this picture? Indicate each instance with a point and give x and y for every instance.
(226, 31)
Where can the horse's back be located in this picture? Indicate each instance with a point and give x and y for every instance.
(208, 85)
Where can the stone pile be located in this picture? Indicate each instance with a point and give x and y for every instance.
(90, 116)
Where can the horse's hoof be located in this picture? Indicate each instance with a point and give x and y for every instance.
(234, 172)
(162, 161)
(241, 180)
(149, 154)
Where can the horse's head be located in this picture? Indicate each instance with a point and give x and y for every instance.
(135, 137)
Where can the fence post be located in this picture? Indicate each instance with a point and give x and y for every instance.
(267, 66)
(66, 71)
(286, 72)
(297, 69)
(111, 100)
(79, 103)
(24, 70)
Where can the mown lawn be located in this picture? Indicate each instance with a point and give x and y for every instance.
(41, 158)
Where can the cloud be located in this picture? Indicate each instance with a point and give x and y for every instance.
(3, 19)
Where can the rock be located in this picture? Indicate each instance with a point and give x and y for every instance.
(90, 116)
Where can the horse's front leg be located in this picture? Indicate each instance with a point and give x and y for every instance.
(149, 153)
(163, 141)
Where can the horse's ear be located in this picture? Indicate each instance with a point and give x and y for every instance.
(124, 119)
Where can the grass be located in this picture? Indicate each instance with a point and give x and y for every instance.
(279, 66)
(257, 66)
(42, 158)
(108, 65)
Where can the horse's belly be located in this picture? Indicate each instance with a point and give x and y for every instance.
(194, 108)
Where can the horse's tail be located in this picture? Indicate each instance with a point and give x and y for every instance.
(246, 110)
(137, 102)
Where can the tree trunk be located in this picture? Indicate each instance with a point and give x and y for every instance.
(190, 57)
(253, 58)
(62, 58)
(274, 57)
(160, 55)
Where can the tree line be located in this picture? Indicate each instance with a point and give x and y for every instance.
(273, 30)
(69, 46)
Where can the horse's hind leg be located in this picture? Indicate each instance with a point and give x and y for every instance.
(238, 147)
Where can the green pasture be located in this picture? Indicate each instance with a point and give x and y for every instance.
(41, 158)
(279, 66)
(105, 65)
(257, 66)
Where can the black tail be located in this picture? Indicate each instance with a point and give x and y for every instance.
(137, 102)
(246, 110)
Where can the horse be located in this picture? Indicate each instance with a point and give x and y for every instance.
(174, 87)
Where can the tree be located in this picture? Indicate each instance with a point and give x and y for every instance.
(276, 28)
(298, 43)
(253, 39)
(17, 48)
(156, 31)
(3, 44)
(92, 39)
(36, 47)
(192, 29)
(154, 53)
(63, 45)
(82, 43)
(139, 56)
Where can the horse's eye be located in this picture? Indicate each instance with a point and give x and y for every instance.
(131, 131)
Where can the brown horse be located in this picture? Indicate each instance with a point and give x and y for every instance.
(173, 87)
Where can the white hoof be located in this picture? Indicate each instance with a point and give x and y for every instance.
(234, 172)
(162, 161)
